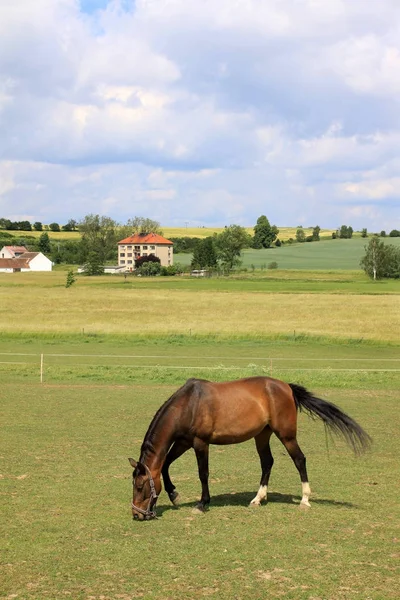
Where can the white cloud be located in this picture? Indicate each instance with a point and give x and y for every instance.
(201, 110)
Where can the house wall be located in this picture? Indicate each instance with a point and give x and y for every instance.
(40, 263)
(127, 253)
(5, 253)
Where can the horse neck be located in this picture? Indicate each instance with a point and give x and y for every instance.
(158, 440)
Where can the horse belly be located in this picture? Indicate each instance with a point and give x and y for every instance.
(239, 423)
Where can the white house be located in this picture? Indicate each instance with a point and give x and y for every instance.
(28, 261)
(12, 251)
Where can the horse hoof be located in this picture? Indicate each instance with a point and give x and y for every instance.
(253, 504)
(174, 497)
(305, 506)
(199, 509)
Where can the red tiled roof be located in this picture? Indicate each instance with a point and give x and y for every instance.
(14, 263)
(145, 238)
(14, 249)
(28, 255)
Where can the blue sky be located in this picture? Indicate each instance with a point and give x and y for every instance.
(199, 111)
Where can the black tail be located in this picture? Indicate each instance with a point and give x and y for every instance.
(334, 419)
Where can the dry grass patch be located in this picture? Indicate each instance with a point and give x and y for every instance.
(135, 310)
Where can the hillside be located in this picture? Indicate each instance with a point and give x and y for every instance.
(325, 255)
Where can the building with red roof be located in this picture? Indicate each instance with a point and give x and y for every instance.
(144, 244)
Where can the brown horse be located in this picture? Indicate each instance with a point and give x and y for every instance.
(202, 413)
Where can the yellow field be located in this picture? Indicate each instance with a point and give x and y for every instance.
(284, 232)
(110, 308)
(201, 232)
(53, 235)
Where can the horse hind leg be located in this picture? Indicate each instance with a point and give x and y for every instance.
(178, 448)
(299, 460)
(267, 460)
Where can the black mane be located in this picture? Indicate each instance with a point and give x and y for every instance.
(147, 445)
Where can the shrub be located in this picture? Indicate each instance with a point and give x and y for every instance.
(273, 265)
(278, 243)
(149, 269)
(145, 259)
(309, 238)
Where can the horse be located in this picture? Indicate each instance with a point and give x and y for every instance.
(201, 413)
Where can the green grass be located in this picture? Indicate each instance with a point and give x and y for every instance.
(323, 255)
(113, 352)
(88, 360)
(67, 530)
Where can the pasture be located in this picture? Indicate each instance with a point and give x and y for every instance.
(326, 254)
(113, 351)
(67, 530)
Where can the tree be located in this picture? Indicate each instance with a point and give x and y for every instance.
(139, 262)
(264, 234)
(381, 260)
(345, 232)
(44, 243)
(229, 244)
(315, 233)
(382, 233)
(70, 226)
(394, 233)
(70, 279)
(99, 236)
(54, 227)
(300, 235)
(93, 265)
(140, 225)
(149, 269)
(364, 233)
(205, 255)
(37, 226)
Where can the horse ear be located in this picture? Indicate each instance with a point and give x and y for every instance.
(133, 462)
(140, 469)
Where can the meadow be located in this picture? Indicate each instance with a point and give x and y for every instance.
(113, 351)
(326, 254)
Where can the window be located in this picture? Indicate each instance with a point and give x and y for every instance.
(122, 247)
(129, 247)
(137, 248)
(129, 253)
(122, 262)
(152, 247)
(122, 254)
(129, 262)
(144, 253)
(144, 247)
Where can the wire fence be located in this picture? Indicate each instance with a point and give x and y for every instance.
(49, 365)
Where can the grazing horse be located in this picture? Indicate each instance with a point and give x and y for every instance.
(202, 413)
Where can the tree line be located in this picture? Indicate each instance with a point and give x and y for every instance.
(99, 236)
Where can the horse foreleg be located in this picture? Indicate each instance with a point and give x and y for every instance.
(178, 448)
(299, 460)
(201, 450)
(266, 460)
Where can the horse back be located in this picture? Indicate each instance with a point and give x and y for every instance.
(232, 412)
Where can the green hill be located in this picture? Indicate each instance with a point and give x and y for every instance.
(324, 255)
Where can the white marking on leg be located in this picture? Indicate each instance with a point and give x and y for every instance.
(261, 495)
(306, 493)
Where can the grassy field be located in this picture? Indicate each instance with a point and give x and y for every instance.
(109, 305)
(67, 531)
(113, 351)
(323, 255)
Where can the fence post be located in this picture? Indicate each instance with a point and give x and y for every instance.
(41, 368)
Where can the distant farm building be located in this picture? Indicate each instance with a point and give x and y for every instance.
(12, 251)
(24, 262)
(144, 244)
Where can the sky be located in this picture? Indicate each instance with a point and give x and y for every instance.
(201, 112)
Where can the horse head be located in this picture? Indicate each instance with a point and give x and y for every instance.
(145, 492)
